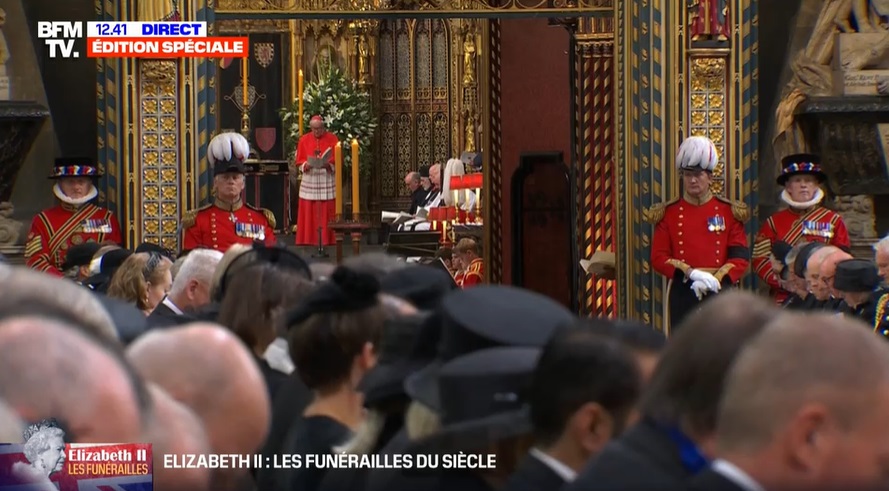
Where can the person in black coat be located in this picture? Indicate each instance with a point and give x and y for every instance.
(471, 320)
(190, 291)
(817, 423)
(408, 345)
(582, 394)
(678, 408)
(334, 335)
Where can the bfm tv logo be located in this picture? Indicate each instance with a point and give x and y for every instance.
(59, 37)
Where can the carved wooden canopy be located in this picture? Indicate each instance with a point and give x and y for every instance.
(369, 9)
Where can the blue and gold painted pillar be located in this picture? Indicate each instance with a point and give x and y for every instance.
(670, 87)
(153, 124)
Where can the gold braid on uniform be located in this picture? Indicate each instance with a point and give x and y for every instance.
(270, 217)
(739, 209)
(721, 272)
(881, 312)
(655, 213)
(189, 219)
(191, 216)
(681, 266)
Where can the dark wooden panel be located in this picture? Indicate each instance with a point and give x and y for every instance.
(542, 226)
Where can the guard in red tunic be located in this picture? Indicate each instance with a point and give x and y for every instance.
(317, 193)
(228, 220)
(804, 219)
(699, 242)
(75, 220)
(468, 253)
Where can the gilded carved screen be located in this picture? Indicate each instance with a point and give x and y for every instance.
(414, 97)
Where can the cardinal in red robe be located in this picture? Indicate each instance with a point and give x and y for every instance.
(317, 191)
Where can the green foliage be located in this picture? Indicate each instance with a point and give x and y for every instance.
(347, 113)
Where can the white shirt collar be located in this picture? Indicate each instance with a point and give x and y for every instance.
(734, 474)
(563, 471)
(172, 306)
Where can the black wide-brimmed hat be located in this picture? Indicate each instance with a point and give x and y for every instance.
(483, 399)
(856, 276)
(780, 250)
(75, 167)
(799, 265)
(408, 345)
(421, 285)
(80, 255)
(483, 317)
(801, 163)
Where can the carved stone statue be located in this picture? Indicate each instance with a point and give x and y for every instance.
(468, 58)
(363, 60)
(812, 74)
(4, 59)
(325, 60)
(709, 20)
(858, 215)
(157, 10)
(10, 229)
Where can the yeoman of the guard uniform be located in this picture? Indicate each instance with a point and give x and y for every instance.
(804, 220)
(699, 242)
(228, 219)
(75, 220)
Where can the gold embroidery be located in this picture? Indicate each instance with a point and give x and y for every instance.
(681, 266)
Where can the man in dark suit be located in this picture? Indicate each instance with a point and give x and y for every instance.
(418, 193)
(678, 408)
(582, 392)
(816, 423)
(190, 290)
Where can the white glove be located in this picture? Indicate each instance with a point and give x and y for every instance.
(700, 289)
(706, 278)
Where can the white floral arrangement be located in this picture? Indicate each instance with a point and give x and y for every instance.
(347, 113)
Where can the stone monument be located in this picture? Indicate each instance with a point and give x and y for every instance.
(837, 105)
(20, 123)
(4, 59)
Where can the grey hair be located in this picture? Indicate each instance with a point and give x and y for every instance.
(790, 259)
(882, 245)
(199, 265)
(39, 438)
(413, 176)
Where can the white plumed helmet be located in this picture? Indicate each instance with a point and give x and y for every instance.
(227, 152)
(697, 152)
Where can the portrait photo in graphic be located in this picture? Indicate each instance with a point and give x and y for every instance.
(44, 448)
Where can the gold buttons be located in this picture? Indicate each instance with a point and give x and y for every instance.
(680, 242)
(680, 233)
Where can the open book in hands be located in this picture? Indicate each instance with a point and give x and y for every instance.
(397, 218)
(320, 162)
(602, 263)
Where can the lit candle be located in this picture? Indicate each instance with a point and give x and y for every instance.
(299, 97)
(338, 175)
(478, 205)
(355, 168)
(244, 76)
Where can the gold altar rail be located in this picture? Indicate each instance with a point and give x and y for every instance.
(388, 9)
